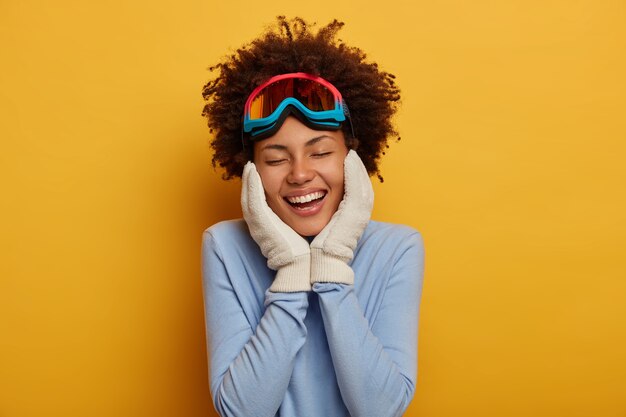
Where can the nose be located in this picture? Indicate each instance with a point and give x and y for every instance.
(300, 172)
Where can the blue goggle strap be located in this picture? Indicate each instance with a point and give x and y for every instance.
(331, 118)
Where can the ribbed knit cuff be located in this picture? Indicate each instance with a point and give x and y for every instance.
(294, 277)
(327, 268)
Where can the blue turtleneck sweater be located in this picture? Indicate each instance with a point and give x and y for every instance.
(339, 350)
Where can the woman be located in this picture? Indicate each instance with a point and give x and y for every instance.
(311, 307)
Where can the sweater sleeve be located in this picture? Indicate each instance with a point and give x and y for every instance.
(376, 363)
(250, 368)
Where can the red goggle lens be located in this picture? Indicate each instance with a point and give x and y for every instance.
(312, 94)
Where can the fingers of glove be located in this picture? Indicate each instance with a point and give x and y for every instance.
(253, 208)
(358, 187)
(358, 203)
(252, 193)
(257, 213)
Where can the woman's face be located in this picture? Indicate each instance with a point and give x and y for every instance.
(302, 173)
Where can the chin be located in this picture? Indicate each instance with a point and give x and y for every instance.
(308, 228)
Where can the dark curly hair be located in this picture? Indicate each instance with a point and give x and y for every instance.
(291, 46)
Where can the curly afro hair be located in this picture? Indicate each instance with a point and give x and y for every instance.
(371, 94)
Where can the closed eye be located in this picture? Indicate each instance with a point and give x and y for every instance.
(275, 161)
(321, 154)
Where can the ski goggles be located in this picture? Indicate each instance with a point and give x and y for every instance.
(312, 99)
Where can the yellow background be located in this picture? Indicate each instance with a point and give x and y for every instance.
(511, 164)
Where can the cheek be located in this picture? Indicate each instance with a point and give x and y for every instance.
(333, 175)
(271, 180)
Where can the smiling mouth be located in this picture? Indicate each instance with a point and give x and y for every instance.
(306, 202)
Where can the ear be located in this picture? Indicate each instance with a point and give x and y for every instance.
(351, 143)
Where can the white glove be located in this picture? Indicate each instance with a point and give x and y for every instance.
(333, 247)
(286, 251)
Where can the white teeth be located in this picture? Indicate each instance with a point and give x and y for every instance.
(306, 198)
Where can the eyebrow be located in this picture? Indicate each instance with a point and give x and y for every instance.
(309, 142)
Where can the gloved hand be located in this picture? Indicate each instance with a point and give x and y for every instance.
(333, 247)
(286, 251)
